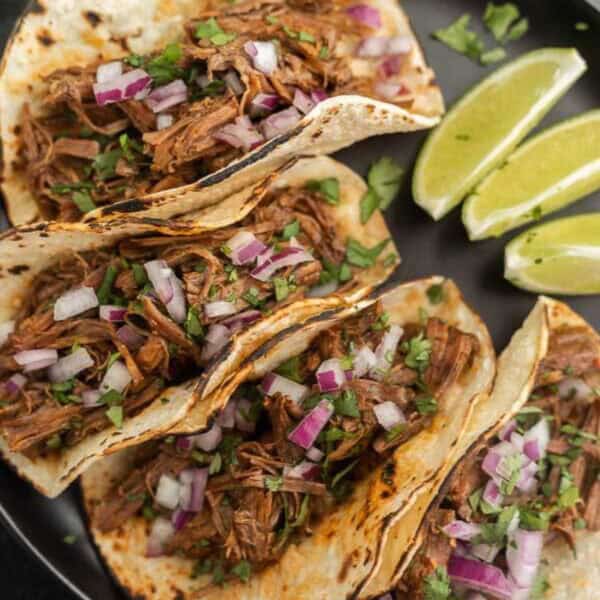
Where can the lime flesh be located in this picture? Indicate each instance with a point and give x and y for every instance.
(552, 170)
(561, 257)
(485, 126)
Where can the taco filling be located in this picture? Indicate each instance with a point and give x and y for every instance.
(538, 481)
(285, 451)
(103, 333)
(242, 75)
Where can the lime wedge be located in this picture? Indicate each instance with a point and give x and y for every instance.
(548, 172)
(561, 257)
(485, 126)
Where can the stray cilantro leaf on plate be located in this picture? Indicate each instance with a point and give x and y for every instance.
(499, 17)
(385, 178)
(518, 30)
(493, 56)
(459, 37)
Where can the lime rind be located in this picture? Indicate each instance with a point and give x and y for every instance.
(560, 193)
(571, 66)
(560, 257)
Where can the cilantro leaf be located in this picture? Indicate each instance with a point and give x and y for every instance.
(435, 293)
(459, 37)
(360, 256)
(290, 230)
(291, 369)
(437, 585)
(518, 30)
(493, 56)
(418, 352)
(192, 325)
(210, 30)
(243, 570)
(346, 404)
(105, 164)
(163, 69)
(83, 201)
(115, 414)
(385, 179)
(499, 18)
(369, 203)
(272, 483)
(328, 188)
(426, 404)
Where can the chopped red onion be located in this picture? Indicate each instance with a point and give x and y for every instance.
(264, 256)
(307, 431)
(242, 422)
(388, 90)
(319, 96)
(184, 442)
(245, 247)
(303, 102)
(196, 478)
(167, 492)
(15, 383)
(476, 596)
(494, 457)
(330, 375)
(263, 55)
(34, 360)
(479, 576)
(241, 319)
(315, 454)
(112, 313)
(288, 257)
(180, 518)
(366, 15)
(349, 374)
(240, 134)
(74, 302)
(390, 66)
(492, 495)
(321, 291)
(109, 71)
(262, 104)
(226, 419)
(122, 88)
(177, 307)
(461, 530)
(90, 398)
(219, 308)
(527, 481)
(276, 384)
(386, 351)
(216, 339)
(485, 552)
(536, 440)
(389, 415)
(161, 532)
(363, 361)
(507, 430)
(516, 439)
(374, 47)
(234, 83)
(574, 388)
(167, 96)
(6, 329)
(280, 122)
(130, 337)
(164, 121)
(168, 287)
(116, 378)
(308, 471)
(69, 366)
(523, 554)
(210, 439)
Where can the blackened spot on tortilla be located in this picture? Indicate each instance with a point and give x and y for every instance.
(345, 568)
(124, 207)
(17, 130)
(94, 19)
(37, 8)
(385, 494)
(18, 269)
(44, 234)
(368, 555)
(45, 38)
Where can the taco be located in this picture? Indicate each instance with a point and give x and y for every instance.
(519, 517)
(286, 487)
(193, 101)
(109, 335)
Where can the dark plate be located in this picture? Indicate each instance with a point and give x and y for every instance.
(426, 248)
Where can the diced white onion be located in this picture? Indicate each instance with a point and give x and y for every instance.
(71, 365)
(116, 378)
(109, 71)
(6, 329)
(167, 492)
(389, 415)
(386, 351)
(75, 302)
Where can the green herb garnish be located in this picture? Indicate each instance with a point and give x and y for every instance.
(328, 188)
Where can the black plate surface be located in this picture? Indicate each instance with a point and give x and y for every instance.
(426, 248)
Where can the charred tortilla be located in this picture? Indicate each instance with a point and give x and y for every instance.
(347, 540)
(193, 306)
(192, 133)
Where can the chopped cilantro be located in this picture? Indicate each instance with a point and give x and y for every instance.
(385, 179)
(216, 87)
(291, 369)
(216, 464)
(65, 188)
(324, 53)
(290, 230)
(163, 69)
(105, 164)
(582, 26)
(105, 289)
(139, 274)
(251, 296)
(499, 18)
(329, 188)
(369, 203)
(518, 30)
(394, 432)
(210, 30)
(512, 464)
(115, 414)
(437, 585)
(112, 359)
(304, 36)
(382, 322)
(135, 60)
(70, 539)
(271, 19)
(54, 442)
(282, 289)
(360, 256)
(435, 293)
(83, 200)
(532, 519)
(242, 570)
(426, 404)
(569, 497)
(418, 351)
(111, 398)
(272, 483)
(493, 56)
(580, 523)
(193, 326)
(346, 404)
(459, 37)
